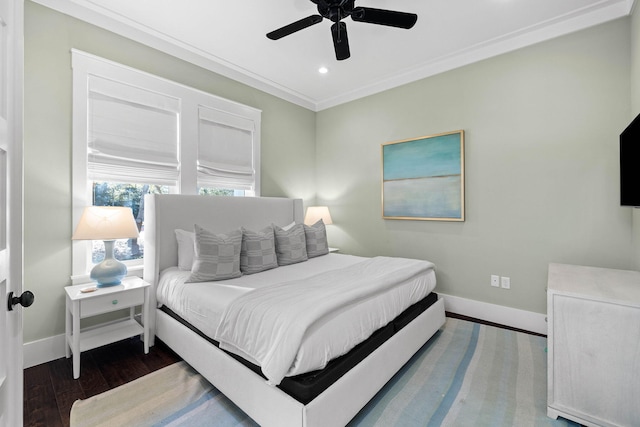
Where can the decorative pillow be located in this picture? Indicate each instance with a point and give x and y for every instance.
(316, 238)
(289, 226)
(258, 251)
(290, 245)
(186, 248)
(217, 256)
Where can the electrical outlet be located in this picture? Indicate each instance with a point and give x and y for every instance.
(505, 282)
(495, 281)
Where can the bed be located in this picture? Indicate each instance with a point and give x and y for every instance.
(344, 386)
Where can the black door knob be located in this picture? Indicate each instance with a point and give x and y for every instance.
(25, 300)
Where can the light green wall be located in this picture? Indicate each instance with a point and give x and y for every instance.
(541, 127)
(635, 110)
(287, 145)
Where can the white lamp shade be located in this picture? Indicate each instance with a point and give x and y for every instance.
(106, 223)
(316, 213)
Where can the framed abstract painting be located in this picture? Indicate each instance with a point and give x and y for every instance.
(423, 178)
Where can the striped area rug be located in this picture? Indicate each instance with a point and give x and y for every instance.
(467, 375)
(470, 375)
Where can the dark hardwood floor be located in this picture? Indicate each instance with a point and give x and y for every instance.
(50, 390)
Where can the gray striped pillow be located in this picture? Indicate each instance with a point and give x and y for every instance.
(291, 246)
(217, 256)
(258, 251)
(316, 237)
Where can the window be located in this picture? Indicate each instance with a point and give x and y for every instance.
(224, 150)
(132, 133)
(129, 195)
(135, 133)
(212, 191)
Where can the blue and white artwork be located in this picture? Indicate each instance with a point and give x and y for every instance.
(423, 178)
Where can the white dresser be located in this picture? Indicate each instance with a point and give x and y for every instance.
(593, 345)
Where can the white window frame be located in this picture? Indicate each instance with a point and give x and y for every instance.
(85, 65)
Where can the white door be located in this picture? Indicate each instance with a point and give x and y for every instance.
(11, 77)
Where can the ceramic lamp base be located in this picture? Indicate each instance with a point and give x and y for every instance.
(110, 271)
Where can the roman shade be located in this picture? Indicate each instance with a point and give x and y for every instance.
(133, 134)
(225, 150)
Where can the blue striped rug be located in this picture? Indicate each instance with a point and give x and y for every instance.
(467, 375)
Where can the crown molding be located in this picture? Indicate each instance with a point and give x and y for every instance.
(589, 16)
(100, 17)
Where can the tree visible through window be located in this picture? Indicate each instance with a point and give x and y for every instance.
(208, 191)
(131, 196)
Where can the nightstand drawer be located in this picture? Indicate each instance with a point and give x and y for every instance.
(111, 302)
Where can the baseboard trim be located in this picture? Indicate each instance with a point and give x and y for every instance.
(52, 348)
(43, 351)
(508, 316)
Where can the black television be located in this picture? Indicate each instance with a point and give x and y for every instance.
(630, 164)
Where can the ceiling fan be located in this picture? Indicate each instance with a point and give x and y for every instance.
(336, 10)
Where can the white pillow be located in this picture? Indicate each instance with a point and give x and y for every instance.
(289, 226)
(186, 248)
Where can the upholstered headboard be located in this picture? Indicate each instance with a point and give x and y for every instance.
(164, 213)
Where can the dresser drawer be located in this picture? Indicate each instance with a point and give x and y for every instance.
(111, 302)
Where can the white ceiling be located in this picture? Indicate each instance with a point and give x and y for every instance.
(228, 37)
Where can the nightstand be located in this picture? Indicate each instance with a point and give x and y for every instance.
(132, 292)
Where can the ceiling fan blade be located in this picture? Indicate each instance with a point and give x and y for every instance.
(340, 40)
(390, 18)
(296, 26)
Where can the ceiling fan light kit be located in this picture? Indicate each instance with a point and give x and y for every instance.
(336, 11)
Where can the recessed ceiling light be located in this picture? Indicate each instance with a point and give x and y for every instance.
(323, 70)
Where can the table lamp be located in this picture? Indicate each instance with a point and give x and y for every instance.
(107, 223)
(316, 213)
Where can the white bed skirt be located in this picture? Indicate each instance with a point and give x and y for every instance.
(270, 406)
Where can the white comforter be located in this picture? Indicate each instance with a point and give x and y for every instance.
(268, 325)
(203, 304)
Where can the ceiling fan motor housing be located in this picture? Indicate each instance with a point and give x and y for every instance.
(335, 10)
